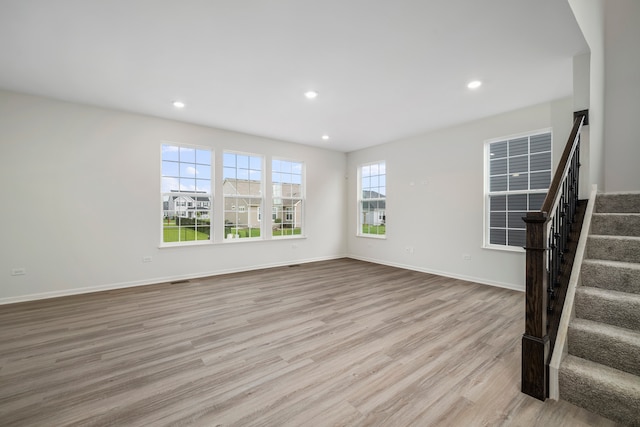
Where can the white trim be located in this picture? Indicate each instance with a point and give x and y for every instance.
(487, 161)
(509, 286)
(155, 281)
(360, 199)
(560, 348)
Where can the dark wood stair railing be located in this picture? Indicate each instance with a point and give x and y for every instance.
(552, 235)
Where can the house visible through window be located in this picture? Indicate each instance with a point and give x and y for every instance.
(287, 179)
(243, 200)
(518, 174)
(372, 203)
(186, 193)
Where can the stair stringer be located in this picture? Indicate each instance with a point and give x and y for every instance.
(561, 349)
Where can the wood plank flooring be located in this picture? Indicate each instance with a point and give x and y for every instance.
(335, 343)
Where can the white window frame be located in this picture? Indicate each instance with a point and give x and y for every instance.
(249, 198)
(361, 198)
(534, 196)
(296, 204)
(167, 192)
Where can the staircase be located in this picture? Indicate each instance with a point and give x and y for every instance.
(602, 369)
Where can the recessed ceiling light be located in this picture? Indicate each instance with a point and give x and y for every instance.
(474, 84)
(178, 104)
(311, 94)
(325, 137)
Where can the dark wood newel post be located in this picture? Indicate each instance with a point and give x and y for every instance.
(535, 341)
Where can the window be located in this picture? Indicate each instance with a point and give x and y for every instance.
(372, 204)
(186, 194)
(518, 174)
(242, 188)
(287, 179)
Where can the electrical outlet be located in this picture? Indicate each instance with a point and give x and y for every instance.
(147, 258)
(466, 257)
(408, 249)
(294, 246)
(18, 271)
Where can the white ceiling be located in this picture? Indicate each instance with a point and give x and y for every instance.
(384, 69)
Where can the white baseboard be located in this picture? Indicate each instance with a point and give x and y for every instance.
(154, 281)
(479, 280)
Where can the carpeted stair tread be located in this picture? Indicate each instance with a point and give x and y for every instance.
(622, 202)
(607, 391)
(611, 307)
(613, 275)
(608, 345)
(616, 224)
(615, 248)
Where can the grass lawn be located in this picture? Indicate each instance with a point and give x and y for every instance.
(243, 232)
(374, 229)
(286, 231)
(182, 235)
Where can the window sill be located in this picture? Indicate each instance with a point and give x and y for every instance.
(186, 244)
(373, 236)
(514, 249)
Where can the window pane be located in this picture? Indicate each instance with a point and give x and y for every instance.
(203, 172)
(229, 160)
(498, 150)
(535, 201)
(517, 238)
(498, 167)
(187, 170)
(518, 164)
(498, 219)
(518, 147)
(242, 161)
(541, 143)
(498, 203)
(187, 155)
(498, 183)
(518, 181)
(498, 236)
(170, 168)
(541, 162)
(187, 184)
(255, 163)
(203, 185)
(229, 173)
(540, 180)
(203, 157)
(517, 202)
(515, 219)
(169, 152)
(170, 184)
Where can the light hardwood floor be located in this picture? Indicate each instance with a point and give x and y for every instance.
(342, 342)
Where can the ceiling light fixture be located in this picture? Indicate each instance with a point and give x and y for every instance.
(325, 137)
(311, 94)
(474, 84)
(178, 104)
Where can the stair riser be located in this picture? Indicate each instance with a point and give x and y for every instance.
(618, 203)
(624, 314)
(604, 349)
(609, 403)
(613, 249)
(611, 277)
(616, 225)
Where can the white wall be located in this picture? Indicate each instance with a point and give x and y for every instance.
(81, 200)
(435, 198)
(622, 95)
(590, 17)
